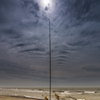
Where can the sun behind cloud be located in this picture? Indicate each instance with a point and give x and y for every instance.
(46, 2)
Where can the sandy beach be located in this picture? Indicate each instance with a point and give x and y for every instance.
(36, 94)
(16, 98)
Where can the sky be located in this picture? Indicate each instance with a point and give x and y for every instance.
(75, 43)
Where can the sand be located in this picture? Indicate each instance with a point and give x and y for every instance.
(15, 98)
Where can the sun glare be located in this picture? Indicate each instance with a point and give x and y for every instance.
(46, 2)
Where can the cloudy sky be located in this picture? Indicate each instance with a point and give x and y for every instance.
(24, 42)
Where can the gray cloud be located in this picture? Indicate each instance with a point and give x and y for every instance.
(15, 70)
(11, 33)
(35, 49)
(92, 68)
(30, 2)
(84, 10)
(21, 45)
(79, 43)
(75, 28)
(31, 6)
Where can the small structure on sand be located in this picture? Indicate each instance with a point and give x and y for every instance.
(45, 97)
(57, 96)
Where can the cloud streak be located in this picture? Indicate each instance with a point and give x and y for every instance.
(24, 42)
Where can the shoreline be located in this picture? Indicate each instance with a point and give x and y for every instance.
(11, 97)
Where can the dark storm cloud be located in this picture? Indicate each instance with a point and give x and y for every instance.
(75, 28)
(79, 8)
(21, 45)
(14, 70)
(76, 12)
(14, 26)
(59, 63)
(63, 57)
(92, 68)
(7, 10)
(30, 2)
(60, 54)
(61, 60)
(79, 43)
(63, 52)
(13, 11)
(90, 33)
(62, 49)
(11, 33)
(19, 32)
(85, 10)
(32, 6)
(10, 67)
(35, 49)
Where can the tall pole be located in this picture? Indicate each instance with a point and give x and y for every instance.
(49, 58)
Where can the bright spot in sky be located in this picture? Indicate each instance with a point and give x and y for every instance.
(46, 2)
(47, 6)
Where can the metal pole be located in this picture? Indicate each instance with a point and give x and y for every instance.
(49, 57)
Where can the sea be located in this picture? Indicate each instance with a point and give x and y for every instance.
(64, 93)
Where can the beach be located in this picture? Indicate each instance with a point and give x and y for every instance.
(36, 93)
(16, 98)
